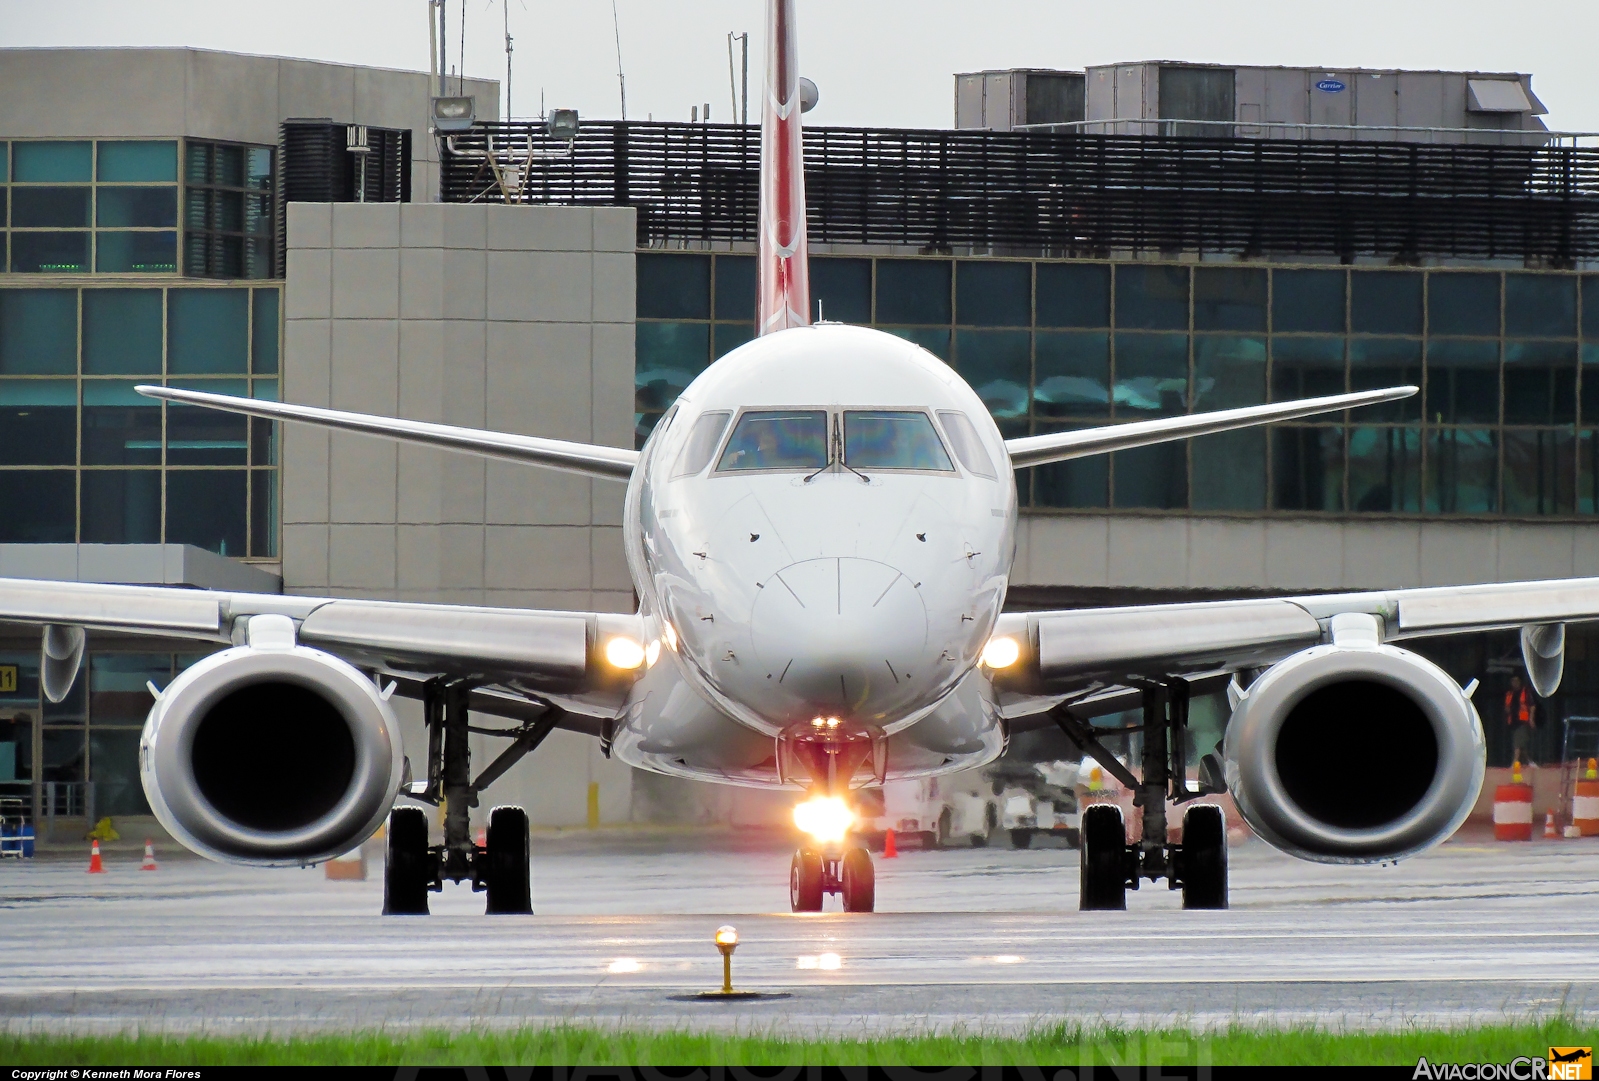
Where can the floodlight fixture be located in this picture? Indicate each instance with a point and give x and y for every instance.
(454, 113)
(562, 124)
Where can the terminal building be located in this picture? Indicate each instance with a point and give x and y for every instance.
(212, 227)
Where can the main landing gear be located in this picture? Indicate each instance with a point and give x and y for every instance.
(500, 868)
(1108, 865)
(834, 868)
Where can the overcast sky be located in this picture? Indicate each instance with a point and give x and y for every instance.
(878, 62)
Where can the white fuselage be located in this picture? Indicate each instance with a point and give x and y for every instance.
(784, 595)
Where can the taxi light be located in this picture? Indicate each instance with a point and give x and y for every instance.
(1001, 652)
(727, 935)
(825, 818)
(727, 942)
(624, 653)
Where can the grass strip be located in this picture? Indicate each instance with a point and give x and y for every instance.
(1063, 1045)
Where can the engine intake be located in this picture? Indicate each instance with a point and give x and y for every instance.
(271, 756)
(1354, 754)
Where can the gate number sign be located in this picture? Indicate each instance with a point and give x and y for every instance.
(8, 679)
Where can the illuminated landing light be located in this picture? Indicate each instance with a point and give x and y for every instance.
(624, 653)
(825, 818)
(1007, 959)
(824, 722)
(624, 964)
(652, 652)
(1001, 652)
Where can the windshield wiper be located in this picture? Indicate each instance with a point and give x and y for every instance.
(838, 438)
(825, 464)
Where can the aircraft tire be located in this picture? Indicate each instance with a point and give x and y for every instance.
(805, 881)
(1204, 857)
(510, 864)
(860, 881)
(408, 871)
(1021, 838)
(1102, 860)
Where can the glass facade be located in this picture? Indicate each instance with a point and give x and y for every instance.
(1506, 424)
(112, 207)
(89, 741)
(83, 457)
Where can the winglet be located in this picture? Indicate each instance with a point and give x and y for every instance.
(784, 269)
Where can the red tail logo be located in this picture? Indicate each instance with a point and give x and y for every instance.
(785, 281)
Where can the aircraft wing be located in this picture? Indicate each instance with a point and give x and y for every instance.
(612, 463)
(1081, 647)
(540, 650)
(1063, 446)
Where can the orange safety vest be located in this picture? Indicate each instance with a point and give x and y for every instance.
(1523, 714)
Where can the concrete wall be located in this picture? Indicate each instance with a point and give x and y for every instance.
(1285, 554)
(517, 319)
(166, 93)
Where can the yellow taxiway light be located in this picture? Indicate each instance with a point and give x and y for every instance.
(1001, 652)
(727, 942)
(825, 818)
(624, 653)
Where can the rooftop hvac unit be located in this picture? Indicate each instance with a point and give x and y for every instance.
(327, 162)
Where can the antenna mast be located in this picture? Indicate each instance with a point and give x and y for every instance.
(621, 81)
(507, 7)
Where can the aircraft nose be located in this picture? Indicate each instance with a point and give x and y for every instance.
(841, 634)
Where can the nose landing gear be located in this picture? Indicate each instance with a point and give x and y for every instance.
(814, 873)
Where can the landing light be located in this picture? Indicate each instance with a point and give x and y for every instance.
(825, 818)
(624, 653)
(652, 652)
(1001, 652)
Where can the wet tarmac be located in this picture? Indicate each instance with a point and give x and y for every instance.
(979, 939)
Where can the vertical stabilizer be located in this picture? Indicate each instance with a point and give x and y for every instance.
(785, 281)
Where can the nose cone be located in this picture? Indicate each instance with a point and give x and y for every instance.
(842, 635)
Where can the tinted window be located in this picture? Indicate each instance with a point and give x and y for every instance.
(1463, 304)
(778, 439)
(1536, 305)
(1307, 300)
(893, 440)
(968, 446)
(735, 287)
(1152, 297)
(1226, 299)
(674, 286)
(912, 291)
(843, 287)
(993, 294)
(1385, 302)
(702, 440)
(1073, 296)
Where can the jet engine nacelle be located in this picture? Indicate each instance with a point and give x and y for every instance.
(271, 756)
(1354, 754)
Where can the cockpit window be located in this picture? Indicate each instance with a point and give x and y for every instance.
(778, 439)
(968, 446)
(893, 440)
(702, 440)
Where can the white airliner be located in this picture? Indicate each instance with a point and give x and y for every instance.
(820, 533)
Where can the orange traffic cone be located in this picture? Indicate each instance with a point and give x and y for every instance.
(95, 866)
(149, 857)
(1549, 831)
(890, 849)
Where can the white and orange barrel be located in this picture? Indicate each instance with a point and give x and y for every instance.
(1585, 802)
(1513, 812)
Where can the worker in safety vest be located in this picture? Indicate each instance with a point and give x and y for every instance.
(1521, 717)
